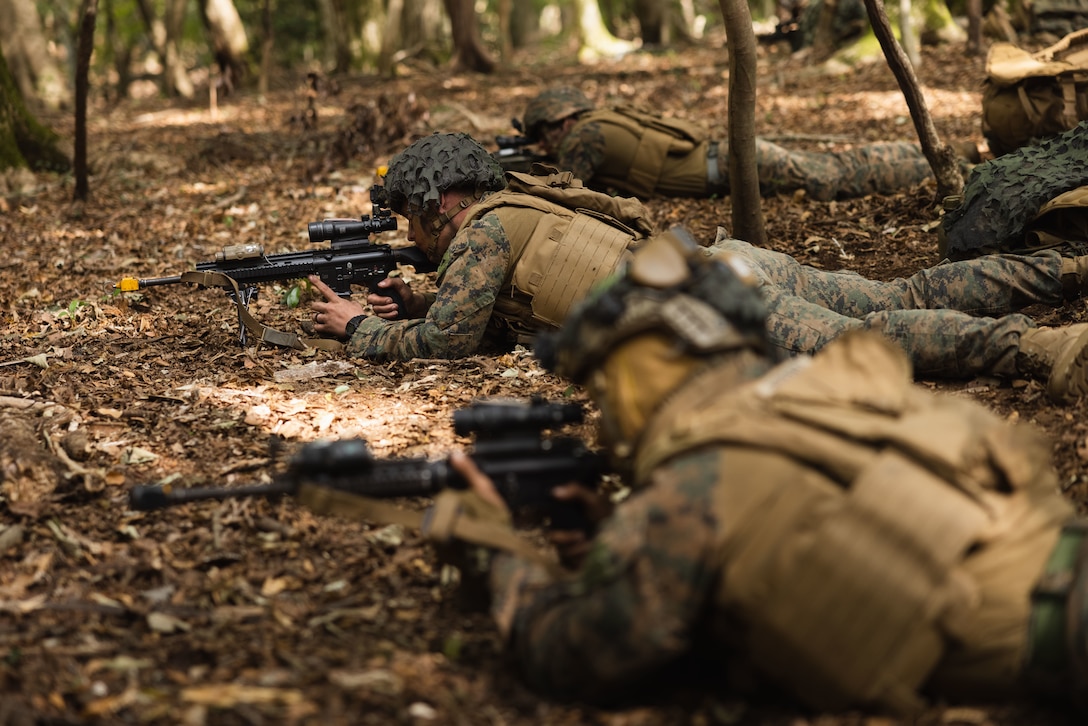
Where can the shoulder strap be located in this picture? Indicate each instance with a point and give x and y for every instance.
(250, 324)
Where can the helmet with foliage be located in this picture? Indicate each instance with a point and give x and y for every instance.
(434, 164)
(552, 106)
(706, 303)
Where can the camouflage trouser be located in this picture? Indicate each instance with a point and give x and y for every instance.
(869, 169)
(953, 320)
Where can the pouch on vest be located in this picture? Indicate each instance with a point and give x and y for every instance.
(657, 138)
(1034, 95)
(1061, 221)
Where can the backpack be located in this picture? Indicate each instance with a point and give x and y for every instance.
(1027, 96)
(1020, 202)
(562, 188)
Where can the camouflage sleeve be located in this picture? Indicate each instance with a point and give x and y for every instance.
(582, 150)
(471, 275)
(633, 606)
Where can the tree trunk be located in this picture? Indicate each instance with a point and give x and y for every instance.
(227, 37)
(23, 141)
(597, 41)
(337, 29)
(941, 157)
(120, 52)
(908, 34)
(653, 21)
(391, 38)
(468, 49)
(823, 41)
(175, 78)
(29, 62)
(268, 44)
(743, 178)
(974, 27)
(84, 48)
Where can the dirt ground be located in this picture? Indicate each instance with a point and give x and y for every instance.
(257, 611)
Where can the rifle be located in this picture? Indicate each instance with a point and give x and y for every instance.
(350, 259)
(510, 447)
(514, 153)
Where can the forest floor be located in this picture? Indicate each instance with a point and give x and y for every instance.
(257, 611)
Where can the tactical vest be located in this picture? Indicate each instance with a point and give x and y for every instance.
(557, 255)
(1034, 95)
(852, 500)
(647, 155)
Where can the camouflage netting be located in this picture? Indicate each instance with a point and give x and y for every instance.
(418, 175)
(1003, 195)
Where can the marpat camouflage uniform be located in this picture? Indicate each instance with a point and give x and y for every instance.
(470, 279)
(658, 581)
(871, 169)
(821, 523)
(953, 320)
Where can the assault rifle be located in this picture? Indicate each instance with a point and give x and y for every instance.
(514, 152)
(510, 447)
(350, 259)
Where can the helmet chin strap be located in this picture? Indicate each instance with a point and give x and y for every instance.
(438, 223)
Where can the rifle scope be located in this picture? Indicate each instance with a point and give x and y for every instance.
(499, 417)
(346, 230)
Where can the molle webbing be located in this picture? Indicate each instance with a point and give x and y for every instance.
(848, 575)
(647, 155)
(558, 254)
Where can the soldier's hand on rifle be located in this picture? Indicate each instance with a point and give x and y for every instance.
(478, 482)
(332, 314)
(573, 545)
(384, 307)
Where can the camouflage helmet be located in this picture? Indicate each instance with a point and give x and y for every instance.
(708, 303)
(418, 175)
(552, 106)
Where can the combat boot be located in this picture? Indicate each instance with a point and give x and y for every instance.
(1058, 356)
(1075, 277)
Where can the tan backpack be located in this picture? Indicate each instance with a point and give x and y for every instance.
(1034, 95)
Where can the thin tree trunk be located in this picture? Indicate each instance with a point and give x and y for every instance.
(743, 179)
(974, 27)
(227, 37)
(335, 24)
(942, 159)
(908, 33)
(175, 79)
(390, 38)
(84, 48)
(268, 44)
(468, 49)
(597, 41)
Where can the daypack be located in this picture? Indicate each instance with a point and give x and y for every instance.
(1028, 96)
(1022, 201)
(562, 188)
